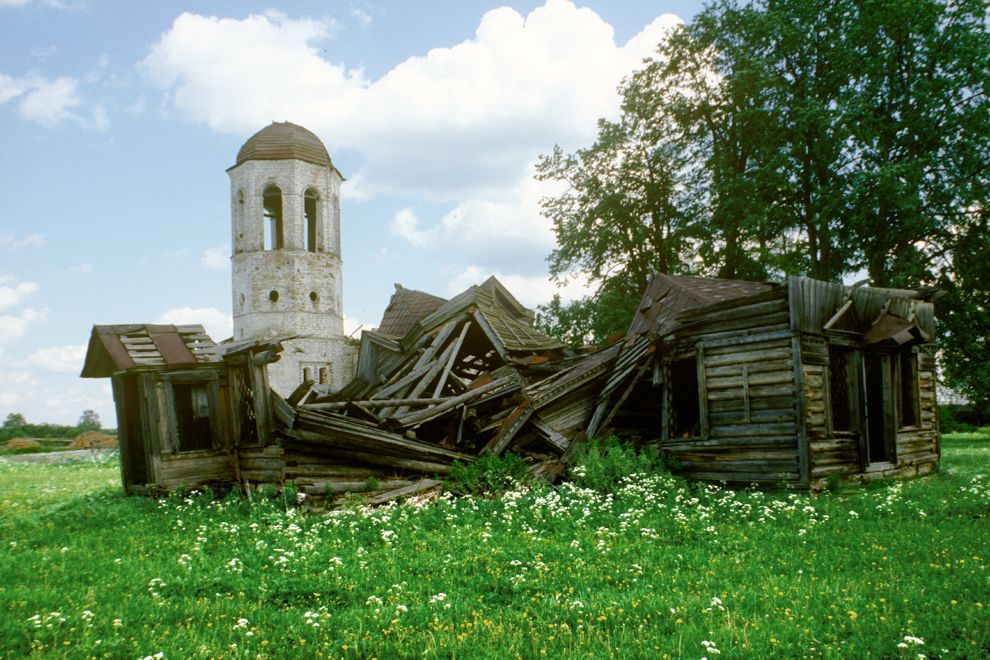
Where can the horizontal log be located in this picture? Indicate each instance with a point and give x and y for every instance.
(746, 477)
(755, 368)
(263, 476)
(266, 463)
(826, 470)
(786, 402)
(736, 381)
(761, 441)
(747, 357)
(755, 417)
(754, 467)
(750, 430)
(756, 392)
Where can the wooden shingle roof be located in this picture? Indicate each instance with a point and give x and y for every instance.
(406, 308)
(114, 348)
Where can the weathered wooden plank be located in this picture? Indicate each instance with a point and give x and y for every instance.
(752, 417)
(409, 490)
(263, 476)
(754, 467)
(679, 444)
(451, 360)
(740, 382)
(510, 427)
(421, 416)
(748, 430)
(745, 477)
(746, 357)
(752, 313)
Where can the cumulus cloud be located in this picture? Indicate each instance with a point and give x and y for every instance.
(51, 102)
(15, 326)
(216, 258)
(219, 325)
(57, 359)
(13, 293)
(470, 117)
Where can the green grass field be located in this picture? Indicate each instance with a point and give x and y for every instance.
(657, 568)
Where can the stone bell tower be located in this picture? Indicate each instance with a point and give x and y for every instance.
(286, 266)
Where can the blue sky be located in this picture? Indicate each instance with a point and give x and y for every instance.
(119, 119)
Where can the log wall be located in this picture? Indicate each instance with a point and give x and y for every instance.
(750, 426)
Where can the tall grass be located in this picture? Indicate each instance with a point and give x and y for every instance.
(653, 567)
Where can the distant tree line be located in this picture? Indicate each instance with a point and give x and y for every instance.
(792, 137)
(16, 426)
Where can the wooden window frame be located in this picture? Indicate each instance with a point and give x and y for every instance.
(211, 379)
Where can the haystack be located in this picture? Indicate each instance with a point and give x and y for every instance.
(22, 443)
(93, 440)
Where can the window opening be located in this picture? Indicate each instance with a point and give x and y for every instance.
(685, 402)
(840, 388)
(307, 375)
(273, 218)
(323, 375)
(192, 412)
(311, 215)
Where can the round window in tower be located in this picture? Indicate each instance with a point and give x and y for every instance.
(314, 297)
(273, 295)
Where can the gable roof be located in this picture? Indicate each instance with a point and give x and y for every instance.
(406, 308)
(114, 348)
(506, 318)
(668, 295)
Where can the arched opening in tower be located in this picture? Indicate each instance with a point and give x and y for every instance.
(310, 210)
(272, 197)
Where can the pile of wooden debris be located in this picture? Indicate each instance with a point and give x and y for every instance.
(465, 376)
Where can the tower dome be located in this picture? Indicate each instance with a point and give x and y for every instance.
(284, 141)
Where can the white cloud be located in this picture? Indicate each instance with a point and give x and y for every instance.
(406, 224)
(58, 359)
(14, 293)
(216, 258)
(10, 87)
(11, 242)
(219, 325)
(531, 291)
(14, 326)
(84, 268)
(51, 102)
(466, 118)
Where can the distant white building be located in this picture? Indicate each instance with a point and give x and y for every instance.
(286, 270)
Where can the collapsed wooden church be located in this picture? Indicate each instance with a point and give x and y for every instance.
(780, 384)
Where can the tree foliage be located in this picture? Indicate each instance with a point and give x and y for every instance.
(791, 137)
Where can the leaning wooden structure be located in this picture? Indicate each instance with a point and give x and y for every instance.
(786, 384)
(782, 384)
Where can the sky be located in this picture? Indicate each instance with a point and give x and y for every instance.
(118, 120)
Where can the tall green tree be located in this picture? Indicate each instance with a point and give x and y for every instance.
(620, 218)
(919, 132)
(798, 137)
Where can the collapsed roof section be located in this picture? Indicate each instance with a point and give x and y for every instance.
(472, 375)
